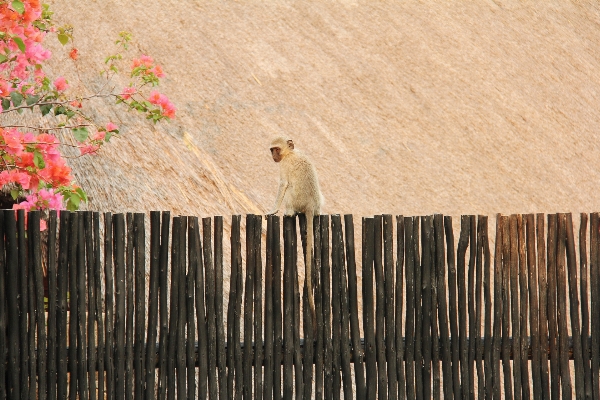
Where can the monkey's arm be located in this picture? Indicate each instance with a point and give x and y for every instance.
(280, 194)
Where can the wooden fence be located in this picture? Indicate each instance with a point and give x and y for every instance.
(78, 320)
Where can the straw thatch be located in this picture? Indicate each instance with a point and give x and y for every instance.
(405, 107)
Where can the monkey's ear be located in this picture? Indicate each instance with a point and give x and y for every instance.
(290, 144)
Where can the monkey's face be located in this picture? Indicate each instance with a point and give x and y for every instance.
(276, 153)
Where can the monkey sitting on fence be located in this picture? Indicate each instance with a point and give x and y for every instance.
(299, 191)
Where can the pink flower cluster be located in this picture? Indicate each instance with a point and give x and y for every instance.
(17, 27)
(18, 151)
(41, 200)
(168, 109)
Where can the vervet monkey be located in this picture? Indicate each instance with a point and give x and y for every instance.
(299, 191)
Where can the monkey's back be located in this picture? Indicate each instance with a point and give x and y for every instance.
(305, 194)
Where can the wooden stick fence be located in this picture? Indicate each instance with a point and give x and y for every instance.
(87, 311)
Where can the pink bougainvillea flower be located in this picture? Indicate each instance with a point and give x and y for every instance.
(154, 97)
(4, 88)
(169, 110)
(158, 71)
(146, 60)
(110, 127)
(21, 178)
(74, 53)
(89, 149)
(99, 135)
(128, 92)
(60, 84)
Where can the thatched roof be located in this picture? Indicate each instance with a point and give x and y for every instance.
(405, 107)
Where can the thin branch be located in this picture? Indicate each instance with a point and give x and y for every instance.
(47, 129)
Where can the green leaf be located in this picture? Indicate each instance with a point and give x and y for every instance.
(81, 194)
(14, 193)
(18, 6)
(45, 109)
(17, 98)
(5, 103)
(63, 39)
(108, 136)
(38, 159)
(81, 134)
(73, 203)
(3, 58)
(32, 100)
(19, 43)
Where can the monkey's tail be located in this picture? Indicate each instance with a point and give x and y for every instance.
(308, 263)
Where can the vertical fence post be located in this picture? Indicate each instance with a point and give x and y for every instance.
(498, 308)
(345, 332)
(335, 304)
(3, 311)
(299, 381)
(552, 307)
(479, 345)
(326, 294)
(221, 363)
(309, 329)
(269, 366)
(536, 364)
(487, 295)
(35, 262)
(368, 306)
(88, 246)
(471, 304)
(62, 277)
(248, 306)
(452, 298)
(442, 313)
(139, 232)
(435, 348)
(12, 304)
(565, 373)
(426, 268)
(410, 305)
(358, 354)
(514, 304)
(318, 292)
(153, 305)
(72, 293)
(109, 287)
(162, 304)
(258, 337)
(23, 303)
(463, 242)
(277, 317)
(380, 310)
(196, 262)
(543, 288)
(119, 266)
(390, 332)
(182, 309)
(96, 270)
(523, 308)
(399, 306)
(574, 306)
(289, 224)
(82, 317)
(190, 287)
(234, 356)
(52, 301)
(585, 316)
(174, 309)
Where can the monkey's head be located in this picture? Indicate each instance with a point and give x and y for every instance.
(280, 148)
